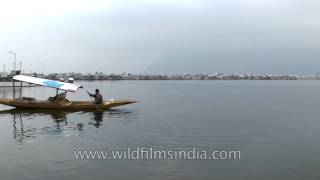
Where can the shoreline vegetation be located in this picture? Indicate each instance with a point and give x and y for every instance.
(186, 76)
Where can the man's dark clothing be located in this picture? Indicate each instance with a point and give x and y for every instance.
(98, 99)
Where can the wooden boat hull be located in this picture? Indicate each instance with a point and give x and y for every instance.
(71, 105)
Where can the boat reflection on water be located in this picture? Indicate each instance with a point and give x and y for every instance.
(22, 132)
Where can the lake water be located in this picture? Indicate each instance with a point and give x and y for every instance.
(275, 125)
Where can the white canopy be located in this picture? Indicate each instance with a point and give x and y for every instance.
(48, 83)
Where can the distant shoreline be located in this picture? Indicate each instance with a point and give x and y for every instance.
(128, 76)
(185, 76)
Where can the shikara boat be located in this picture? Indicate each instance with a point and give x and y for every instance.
(27, 102)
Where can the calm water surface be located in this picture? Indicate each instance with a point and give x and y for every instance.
(275, 124)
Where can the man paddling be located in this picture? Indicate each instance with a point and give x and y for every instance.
(98, 99)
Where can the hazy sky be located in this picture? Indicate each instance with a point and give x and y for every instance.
(129, 35)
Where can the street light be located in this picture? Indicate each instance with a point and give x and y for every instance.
(15, 60)
(20, 65)
(42, 67)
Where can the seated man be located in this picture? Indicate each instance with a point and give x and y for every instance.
(60, 98)
(98, 99)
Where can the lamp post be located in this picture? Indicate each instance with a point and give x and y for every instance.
(15, 60)
(20, 66)
(13, 65)
(42, 64)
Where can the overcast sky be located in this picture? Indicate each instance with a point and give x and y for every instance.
(116, 36)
